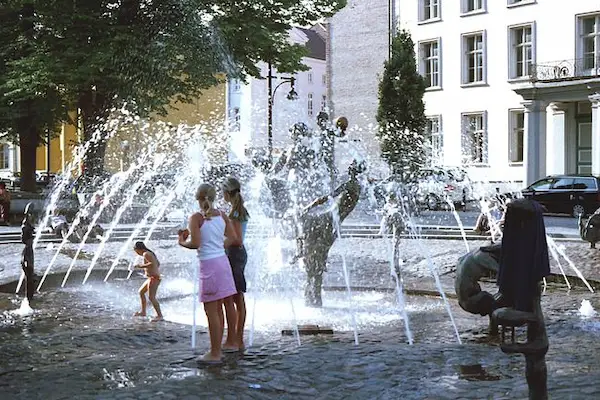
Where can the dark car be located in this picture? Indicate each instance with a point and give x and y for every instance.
(566, 194)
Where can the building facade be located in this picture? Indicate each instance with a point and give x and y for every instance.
(513, 85)
(248, 102)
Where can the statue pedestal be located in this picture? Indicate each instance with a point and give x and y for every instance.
(308, 330)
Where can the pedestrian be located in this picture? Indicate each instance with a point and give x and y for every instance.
(235, 306)
(4, 204)
(150, 266)
(205, 233)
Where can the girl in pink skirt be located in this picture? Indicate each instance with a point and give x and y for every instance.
(205, 234)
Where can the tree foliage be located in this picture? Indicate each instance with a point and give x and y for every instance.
(137, 54)
(401, 112)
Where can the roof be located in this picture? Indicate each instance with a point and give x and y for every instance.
(315, 45)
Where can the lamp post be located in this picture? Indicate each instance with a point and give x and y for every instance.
(292, 95)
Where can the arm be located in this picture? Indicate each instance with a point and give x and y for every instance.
(190, 238)
(317, 202)
(147, 261)
(231, 237)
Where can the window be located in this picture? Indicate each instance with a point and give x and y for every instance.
(310, 104)
(474, 68)
(4, 156)
(430, 63)
(429, 10)
(543, 184)
(520, 41)
(435, 141)
(474, 138)
(514, 3)
(323, 103)
(473, 6)
(236, 119)
(237, 85)
(584, 183)
(324, 80)
(589, 37)
(516, 136)
(563, 184)
(310, 77)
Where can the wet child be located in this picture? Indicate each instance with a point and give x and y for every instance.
(235, 306)
(205, 233)
(150, 265)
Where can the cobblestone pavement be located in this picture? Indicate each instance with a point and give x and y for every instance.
(82, 343)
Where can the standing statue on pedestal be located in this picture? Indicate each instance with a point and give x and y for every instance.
(318, 231)
(27, 262)
(523, 265)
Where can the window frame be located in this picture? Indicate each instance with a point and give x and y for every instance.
(309, 78)
(512, 141)
(485, 149)
(310, 104)
(323, 102)
(423, 61)
(421, 12)
(5, 154)
(519, 3)
(465, 59)
(579, 45)
(512, 66)
(435, 158)
(464, 8)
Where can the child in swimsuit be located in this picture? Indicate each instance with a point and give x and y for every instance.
(235, 307)
(150, 265)
(205, 234)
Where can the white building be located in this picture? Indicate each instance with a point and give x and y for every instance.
(9, 154)
(247, 103)
(514, 85)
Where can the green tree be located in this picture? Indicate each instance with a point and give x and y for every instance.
(401, 112)
(30, 103)
(142, 54)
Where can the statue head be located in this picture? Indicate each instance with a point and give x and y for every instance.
(524, 261)
(341, 123)
(322, 120)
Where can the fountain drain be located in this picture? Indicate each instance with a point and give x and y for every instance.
(308, 330)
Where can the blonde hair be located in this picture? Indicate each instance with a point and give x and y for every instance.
(210, 194)
(238, 210)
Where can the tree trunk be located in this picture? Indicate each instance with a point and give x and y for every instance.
(92, 109)
(28, 142)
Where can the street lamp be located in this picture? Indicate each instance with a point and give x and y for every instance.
(292, 95)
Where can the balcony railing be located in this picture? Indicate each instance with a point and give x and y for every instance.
(581, 68)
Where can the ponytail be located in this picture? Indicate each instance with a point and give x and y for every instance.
(206, 195)
(238, 210)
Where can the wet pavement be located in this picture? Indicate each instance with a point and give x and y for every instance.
(81, 342)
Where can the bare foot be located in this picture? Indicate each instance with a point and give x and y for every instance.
(139, 314)
(209, 358)
(229, 347)
(157, 319)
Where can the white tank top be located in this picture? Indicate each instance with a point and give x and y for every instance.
(212, 235)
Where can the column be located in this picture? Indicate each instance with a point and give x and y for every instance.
(535, 140)
(595, 100)
(555, 143)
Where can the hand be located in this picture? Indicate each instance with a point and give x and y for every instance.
(183, 234)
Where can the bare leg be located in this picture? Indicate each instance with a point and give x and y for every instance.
(153, 287)
(142, 291)
(232, 318)
(214, 314)
(240, 304)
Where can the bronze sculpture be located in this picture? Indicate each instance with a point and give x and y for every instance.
(317, 231)
(523, 265)
(27, 259)
(589, 230)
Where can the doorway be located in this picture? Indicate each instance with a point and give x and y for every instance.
(584, 148)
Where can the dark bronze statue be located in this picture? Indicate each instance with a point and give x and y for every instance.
(589, 230)
(471, 268)
(27, 260)
(317, 232)
(524, 263)
(327, 135)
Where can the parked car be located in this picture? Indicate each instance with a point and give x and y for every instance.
(566, 194)
(12, 179)
(434, 186)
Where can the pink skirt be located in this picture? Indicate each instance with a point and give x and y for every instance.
(216, 279)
